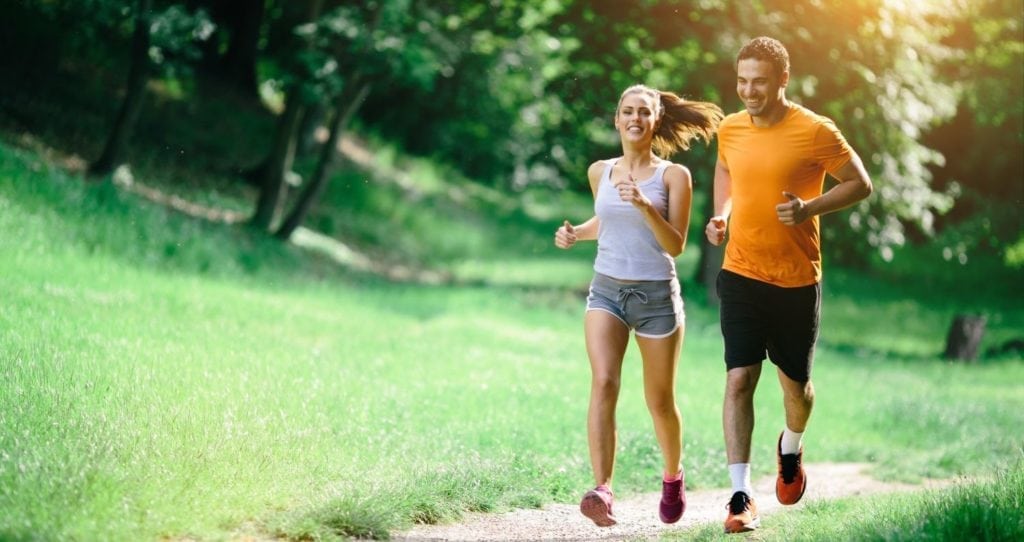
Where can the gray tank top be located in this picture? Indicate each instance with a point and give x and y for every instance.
(626, 246)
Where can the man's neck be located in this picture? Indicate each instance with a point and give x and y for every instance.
(774, 116)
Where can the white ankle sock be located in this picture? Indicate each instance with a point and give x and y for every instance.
(740, 475)
(790, 442)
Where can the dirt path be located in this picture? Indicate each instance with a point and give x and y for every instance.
(638, 516)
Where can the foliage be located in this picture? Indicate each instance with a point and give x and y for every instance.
(397, 42)
(175, 34)
(519, 94)
(985, 139)
(1015, 254)
(896, 73)
(176, 31)
(480, 113)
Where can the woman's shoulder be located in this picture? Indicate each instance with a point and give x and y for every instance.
(600, 165)
(675, 173)
(672, 168)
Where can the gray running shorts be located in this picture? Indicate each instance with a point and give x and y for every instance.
(652, 308)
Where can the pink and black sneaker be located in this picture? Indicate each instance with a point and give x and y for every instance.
(597, 505)
(673, 499)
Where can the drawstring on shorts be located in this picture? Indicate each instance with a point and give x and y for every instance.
(625, 293)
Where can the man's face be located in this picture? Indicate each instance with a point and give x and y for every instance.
(760, 88)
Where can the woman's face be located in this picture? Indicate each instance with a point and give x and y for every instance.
(636, 118)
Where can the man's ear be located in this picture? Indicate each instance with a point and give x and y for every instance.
(784, 81)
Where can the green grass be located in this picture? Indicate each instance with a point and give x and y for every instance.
(988, 511)
(167, 377)
(196, 405)
(894, 315)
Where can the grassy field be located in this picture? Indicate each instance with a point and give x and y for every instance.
(166, 377)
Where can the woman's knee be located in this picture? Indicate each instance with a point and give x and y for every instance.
(663, 406)
(606, 385)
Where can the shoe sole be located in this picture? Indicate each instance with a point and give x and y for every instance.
(671, 519)
(594, 507)
(746, 527)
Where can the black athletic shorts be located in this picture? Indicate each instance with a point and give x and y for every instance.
(760, 318)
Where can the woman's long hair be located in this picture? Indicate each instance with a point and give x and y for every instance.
(680, 121)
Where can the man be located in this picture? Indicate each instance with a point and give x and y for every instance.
(769, 179)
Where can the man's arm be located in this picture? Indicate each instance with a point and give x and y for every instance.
(715, 230)
(853, 186)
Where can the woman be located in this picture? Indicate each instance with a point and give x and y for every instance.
(642, 212)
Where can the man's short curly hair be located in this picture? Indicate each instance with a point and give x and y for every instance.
(766, 49)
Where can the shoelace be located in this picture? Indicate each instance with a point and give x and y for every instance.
(738, 503)
(626, 292)
(670, 491)
(790, 466)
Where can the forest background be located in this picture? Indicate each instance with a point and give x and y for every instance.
(519, 94)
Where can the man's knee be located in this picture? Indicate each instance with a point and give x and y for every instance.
(805, 393)
(742, 381)
(798, 391)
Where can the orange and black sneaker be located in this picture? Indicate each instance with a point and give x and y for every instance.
(791, 483)
(742, 514)
(597, 505)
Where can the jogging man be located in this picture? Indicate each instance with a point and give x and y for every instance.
(769, 182)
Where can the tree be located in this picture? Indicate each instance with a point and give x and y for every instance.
(364, 47)
(270, 174)
(316, 185)
(487, 110)
(985, 139)
(231, 54)
(239, 61)
(138, 74)
(161, 40)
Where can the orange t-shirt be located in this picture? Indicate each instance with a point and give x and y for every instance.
(792, 155)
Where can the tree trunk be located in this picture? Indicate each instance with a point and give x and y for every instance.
(135, 92)
(311, 120)
(315, 186)
(239, 61)
(964, 337)
(272, 172)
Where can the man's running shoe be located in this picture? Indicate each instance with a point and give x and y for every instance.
(742, 514)
(597, 505)
(791, 483)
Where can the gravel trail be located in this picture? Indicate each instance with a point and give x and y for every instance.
(638, 515)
